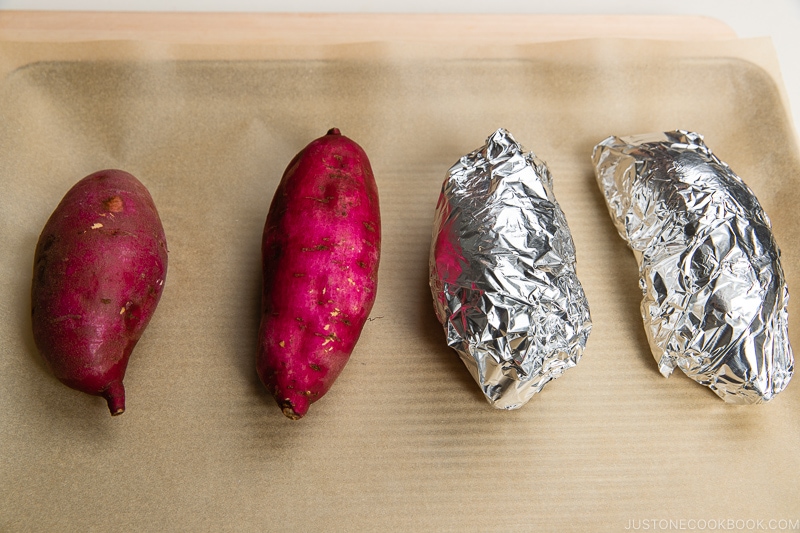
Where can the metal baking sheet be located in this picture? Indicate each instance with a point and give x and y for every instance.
(404, 440)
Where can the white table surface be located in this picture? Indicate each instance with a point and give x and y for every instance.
(777, 19)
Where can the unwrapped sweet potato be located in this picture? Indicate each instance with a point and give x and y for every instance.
(320, 253)
(99, 270)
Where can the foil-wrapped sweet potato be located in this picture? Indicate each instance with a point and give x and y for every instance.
(714, 292)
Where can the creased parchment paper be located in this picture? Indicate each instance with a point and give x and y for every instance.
(404, 441)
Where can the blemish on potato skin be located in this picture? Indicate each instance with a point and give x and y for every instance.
(328, 338)
(114, 204)
(48, 242)
(317, 248)
(324, 200)
(65, 317)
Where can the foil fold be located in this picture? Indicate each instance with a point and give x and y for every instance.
(714, 293)
(502, 273)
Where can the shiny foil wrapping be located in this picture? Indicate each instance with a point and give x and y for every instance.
(502, 273)
(715, 297)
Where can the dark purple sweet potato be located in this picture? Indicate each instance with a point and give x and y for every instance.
(99, 270)
(320, 254)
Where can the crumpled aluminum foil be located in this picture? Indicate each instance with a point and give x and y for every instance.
(502, 273)
(715, 297)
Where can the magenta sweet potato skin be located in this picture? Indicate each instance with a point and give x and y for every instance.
(99, 271)
(320, 255)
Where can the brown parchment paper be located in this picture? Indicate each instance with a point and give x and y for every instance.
(404, 441)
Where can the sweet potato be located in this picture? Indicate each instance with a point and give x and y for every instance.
(99, 270)
(320, 254)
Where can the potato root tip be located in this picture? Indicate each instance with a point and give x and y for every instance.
(115, 396)
(289, 412)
